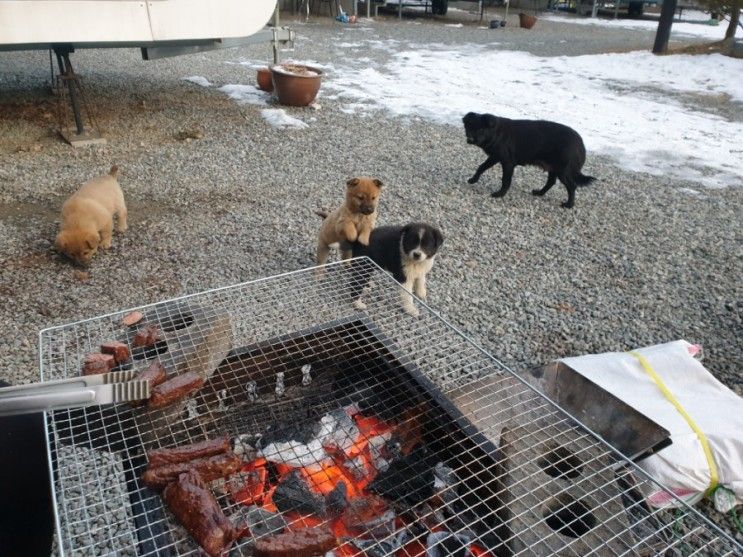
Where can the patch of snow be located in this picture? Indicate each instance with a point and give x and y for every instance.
(679, 28)
(198, 80)
(278, 118)
(348, 45)
(624, 105)
(246, 94)
(453, 25)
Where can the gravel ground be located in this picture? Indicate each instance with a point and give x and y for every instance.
(636, 262)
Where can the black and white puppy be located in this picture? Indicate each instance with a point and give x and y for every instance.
(553, 147)
(407, 252)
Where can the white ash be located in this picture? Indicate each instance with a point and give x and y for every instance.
(280, 389)
(252, 389)
(222, 396)
(244, 446)
(306, 377)
(192, 409)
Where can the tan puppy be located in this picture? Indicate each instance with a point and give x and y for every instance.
(87, 218)
(351, 222)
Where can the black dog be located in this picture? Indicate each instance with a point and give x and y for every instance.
(554, 147)
(407, 252)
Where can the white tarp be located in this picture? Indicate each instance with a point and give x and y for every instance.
(718, 411)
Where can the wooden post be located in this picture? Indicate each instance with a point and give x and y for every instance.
(664, 26)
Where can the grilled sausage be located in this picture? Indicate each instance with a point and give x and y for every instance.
(209, 469)
(198, 511)
(175, 389)
(184, 453)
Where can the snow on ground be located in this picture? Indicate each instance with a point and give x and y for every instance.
(278, 118)
(246, 94)
(198, 80)
(639, 108)
(679, 29)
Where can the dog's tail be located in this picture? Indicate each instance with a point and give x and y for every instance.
(583, 180)
(114, 172)
(322, 213)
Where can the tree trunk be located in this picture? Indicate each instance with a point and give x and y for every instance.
(664, 26)
(734, 18)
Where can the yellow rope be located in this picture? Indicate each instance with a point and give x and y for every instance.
(713, 477)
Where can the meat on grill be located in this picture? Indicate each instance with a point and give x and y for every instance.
(184, 453)
(98, 363)
(147, 336)
(175, 389)
(198, 511)
(303, 542)
(132, 318)
(209, 469)
(154, 373)
(118, 350)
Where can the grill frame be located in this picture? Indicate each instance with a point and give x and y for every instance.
(382, 304)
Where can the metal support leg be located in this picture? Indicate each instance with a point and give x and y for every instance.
(68, 73)
(275, 42)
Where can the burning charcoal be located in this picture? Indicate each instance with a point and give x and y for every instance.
(251, 387)
(261, 522)
(446, 544)
(408, 433)
(293, 494)
(342, 430)
(296, 455)
(98, 363)
(409, 479)
(147, 336)
(280, 388)
(357, 468)
(377, 451)
(445, 483)
(306, 377)
(304, 542)
(383, 548)
(367, 515)
(118, 350)
(337, 500)
(244, 446)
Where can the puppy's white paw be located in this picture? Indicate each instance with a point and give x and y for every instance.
(412, 310)
(358, 304)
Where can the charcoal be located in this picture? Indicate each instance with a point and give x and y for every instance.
(337, 500)
(446, 544)
(261, 522)
(339, 430)
(369, 515)
(293, 494)
(383, 548)
(301, 431)
(408, 480)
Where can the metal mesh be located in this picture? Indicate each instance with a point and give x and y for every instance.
(523, 478)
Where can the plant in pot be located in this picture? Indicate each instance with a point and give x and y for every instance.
(263, 79)
(295, 84)
(527, 21)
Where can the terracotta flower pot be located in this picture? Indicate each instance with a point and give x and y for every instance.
(527, 21)
(296, 84)
(263, 78)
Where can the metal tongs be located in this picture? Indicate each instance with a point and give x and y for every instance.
(77, 392)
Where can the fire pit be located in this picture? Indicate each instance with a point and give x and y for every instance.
(360, 433)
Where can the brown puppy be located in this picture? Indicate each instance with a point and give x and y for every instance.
(87, 218)
(351, 222)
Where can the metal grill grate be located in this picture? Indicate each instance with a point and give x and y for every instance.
(524, 477)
